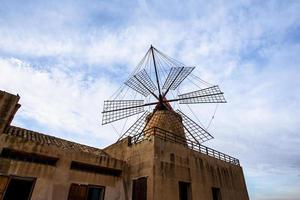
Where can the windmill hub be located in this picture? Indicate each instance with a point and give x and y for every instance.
(163, 104)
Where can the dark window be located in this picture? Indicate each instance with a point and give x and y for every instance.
(86, 192)
(95, 193)
(184, 191)
(95, 169)
(172, 157)
(19, 188)
(139, 189)
(28, 157)
(216, 193)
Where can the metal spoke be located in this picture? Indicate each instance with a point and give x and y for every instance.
(155, 68)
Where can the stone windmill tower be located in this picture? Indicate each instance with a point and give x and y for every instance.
(163, 147)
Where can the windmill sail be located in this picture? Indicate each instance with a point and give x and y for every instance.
(114, 110)
(142, 83)
(176, 76)
(137, 127)
(208, 95)
(193, 130)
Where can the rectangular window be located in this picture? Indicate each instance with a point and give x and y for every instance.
(94, 169)
(28, 157)
(139, 189)
(18, 188)
(216, 193)
(184, 191)
(95, 193)
(86, 192)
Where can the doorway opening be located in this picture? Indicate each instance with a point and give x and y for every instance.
(139, 189)
(184, 191)
(216, 193)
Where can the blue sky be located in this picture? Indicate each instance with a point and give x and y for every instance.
(64, 58)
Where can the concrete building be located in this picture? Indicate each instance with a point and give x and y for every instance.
(160, 166)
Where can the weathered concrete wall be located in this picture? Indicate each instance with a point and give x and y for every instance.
(174, 163)
(8, 107)
(166, 163)
(53, 182)
(139, 160)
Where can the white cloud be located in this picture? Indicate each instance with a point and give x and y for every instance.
(61, 102)
(241, 46)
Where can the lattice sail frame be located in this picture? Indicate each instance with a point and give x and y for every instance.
(138, 127)
(142, 83)
(176, 76)
(193, 130)
(208, 95)
(114, 110)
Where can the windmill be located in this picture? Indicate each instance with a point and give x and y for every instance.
(148, 82)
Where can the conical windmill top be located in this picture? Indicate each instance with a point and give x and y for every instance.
(147, 80)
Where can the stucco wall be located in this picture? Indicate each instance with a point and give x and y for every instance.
(53, 182)
(8, 107)
(166, 163)
(139, 161)
(202, 171)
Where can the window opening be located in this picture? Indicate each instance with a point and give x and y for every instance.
(184, 191)
(86, 192)
(216, 193)
(19, 188)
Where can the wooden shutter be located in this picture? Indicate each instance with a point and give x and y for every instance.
(3, 184)
(139, 189)
(77, 192)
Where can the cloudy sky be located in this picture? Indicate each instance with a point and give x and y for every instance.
(64, 58)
